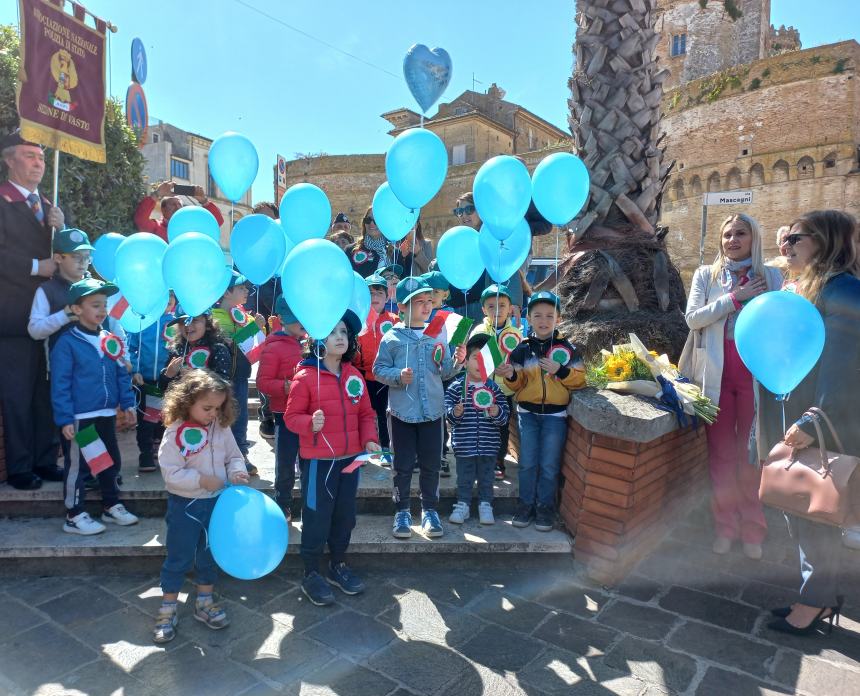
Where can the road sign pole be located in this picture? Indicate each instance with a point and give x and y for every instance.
(704, 232)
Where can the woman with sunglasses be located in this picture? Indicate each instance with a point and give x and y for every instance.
(372, 251)
(468, 216)
(711, 360)
(822, 250)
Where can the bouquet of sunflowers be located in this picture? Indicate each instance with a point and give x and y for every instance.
(632, 368)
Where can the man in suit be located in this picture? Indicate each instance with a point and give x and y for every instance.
(26, 221)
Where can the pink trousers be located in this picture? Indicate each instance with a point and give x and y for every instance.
(734, 481)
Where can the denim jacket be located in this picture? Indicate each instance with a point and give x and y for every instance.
(431, 362)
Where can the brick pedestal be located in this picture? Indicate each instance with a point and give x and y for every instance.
(628, 472)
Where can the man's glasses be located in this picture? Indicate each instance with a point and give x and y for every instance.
(369, 221)
(465, 210)
(793, 239)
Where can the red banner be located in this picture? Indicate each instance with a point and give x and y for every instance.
(61, 86)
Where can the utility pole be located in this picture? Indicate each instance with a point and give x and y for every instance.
(475, 82)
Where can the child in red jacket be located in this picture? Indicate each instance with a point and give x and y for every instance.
(282, 352)
(329, 409)
(378, 323)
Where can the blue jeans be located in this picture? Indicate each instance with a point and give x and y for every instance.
(186, 542)
(286, 452)
(541, 443)
(240, 426)
(819, 547)
(470, 469)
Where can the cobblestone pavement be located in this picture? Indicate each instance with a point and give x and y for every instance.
(686, 622)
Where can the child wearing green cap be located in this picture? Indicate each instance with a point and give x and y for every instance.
(496, 304)
(413, 366)
(88, 383)
(542, 371)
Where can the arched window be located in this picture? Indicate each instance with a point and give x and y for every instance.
(678, 189)
(780, 171)
(714, 182)
(830, 161)
(756, 175)
(733, 179)
(806, 168)
(696, 185)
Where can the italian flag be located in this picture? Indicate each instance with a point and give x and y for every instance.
(456, 327)
(153, 398)
(93, 449)
(119, 307)
(250, 341)
(489, 358)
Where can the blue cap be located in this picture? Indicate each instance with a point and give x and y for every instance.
(409, 287)
(90, 286)
(71, 240)
(282, 309)
(236, 278)
(436, 280)
(544, 296)
(496, 289)
(352, 321)
(375, 279)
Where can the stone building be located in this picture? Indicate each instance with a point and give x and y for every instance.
(171, 153)
(474, 127)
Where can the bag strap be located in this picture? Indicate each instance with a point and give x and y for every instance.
(818, 413)
(825, 465)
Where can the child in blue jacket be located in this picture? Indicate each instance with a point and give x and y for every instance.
(89, 382)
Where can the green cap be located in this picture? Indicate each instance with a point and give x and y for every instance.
(70, 240)
(394, 268)
(374, 280)
(496, 289)
(409, 287)
(90, 286)
(236, 278)
(282, 309)
(436, 280)
(544, 296)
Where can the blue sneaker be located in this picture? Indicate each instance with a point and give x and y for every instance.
(317, 590)
(341, 575)
(402, 524)
(431, 525)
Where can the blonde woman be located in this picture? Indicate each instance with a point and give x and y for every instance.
(822, 251)
(711, 360)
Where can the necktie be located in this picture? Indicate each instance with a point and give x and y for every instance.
(36, 206)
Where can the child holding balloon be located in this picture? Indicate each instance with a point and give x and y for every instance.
(198, 455)
(329, 409)
(477, 410)
(197, 343)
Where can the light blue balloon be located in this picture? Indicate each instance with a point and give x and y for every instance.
(392, 218)
(360, 302)
(504, 258)
(248, 533)
(427, 72)
(258, 246)
(305, 212)
(416, 164)
(560, 187)
(780, 337)
(138, 264)
(233, 163)
(105, 251)
(317, 282)
(290, 245)
(503, 192)
(133, 322)
(458, 255)
(194, 268)
(193, 218)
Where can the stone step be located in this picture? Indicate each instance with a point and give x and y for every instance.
(42, 541)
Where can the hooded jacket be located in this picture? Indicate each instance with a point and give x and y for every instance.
(350, 421)
(537, 391)
(279, 360)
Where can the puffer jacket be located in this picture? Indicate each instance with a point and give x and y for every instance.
(537, 391)
(278, 361)
(369, 340)
(220, 457)
(350, 421)
(230, 328)
(85, 380)
(501, 335)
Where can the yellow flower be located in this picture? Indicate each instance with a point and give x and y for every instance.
(618, 368)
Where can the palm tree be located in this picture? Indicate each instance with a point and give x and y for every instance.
(618, 277)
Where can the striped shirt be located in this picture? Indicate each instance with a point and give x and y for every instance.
(474, 433)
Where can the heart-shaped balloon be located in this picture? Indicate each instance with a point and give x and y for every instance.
(428, 72)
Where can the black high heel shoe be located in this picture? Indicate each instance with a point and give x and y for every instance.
(783, 626)
(782, 612)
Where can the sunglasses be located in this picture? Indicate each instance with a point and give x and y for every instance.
(369, 221)
(793, 239)
(465, 210)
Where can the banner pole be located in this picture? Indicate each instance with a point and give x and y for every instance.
(56, 174)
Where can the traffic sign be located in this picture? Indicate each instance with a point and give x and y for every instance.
(138, 61)
(137, 112)
(727, 198)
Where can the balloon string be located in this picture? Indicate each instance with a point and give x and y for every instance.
(555, 287)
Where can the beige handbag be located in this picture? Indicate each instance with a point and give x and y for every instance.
(813, 483)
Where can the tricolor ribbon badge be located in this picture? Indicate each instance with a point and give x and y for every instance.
(239, 316)
(560, 354)
(360, 257)
(385, 326)
(170, 332)
(438, 354)
(354, 387)
(191, 438)
(508, 341)
(198, 357)
(482, 398)
(112, 346)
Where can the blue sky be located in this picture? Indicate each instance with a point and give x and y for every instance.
(218, 65)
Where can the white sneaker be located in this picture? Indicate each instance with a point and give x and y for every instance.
(851, 537)
(83, 524)
(485, 513)
(459, 514)
(119, 515)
